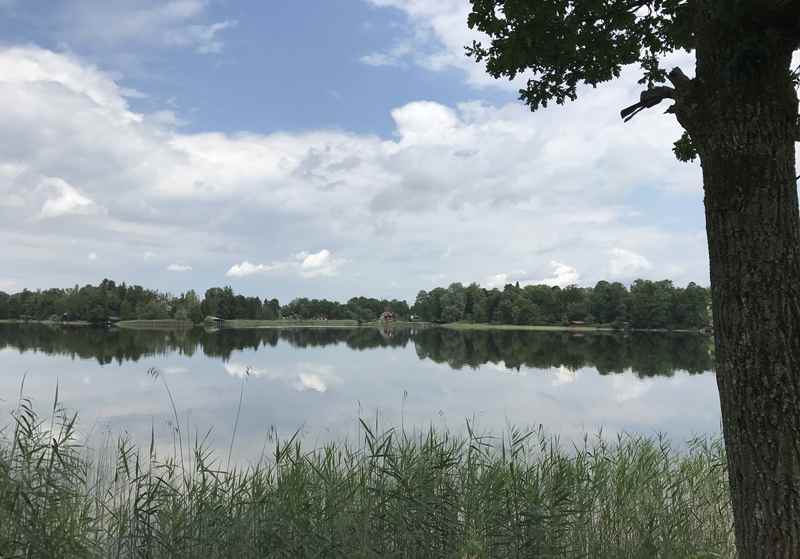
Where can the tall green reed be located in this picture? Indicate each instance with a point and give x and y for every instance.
(393, 494)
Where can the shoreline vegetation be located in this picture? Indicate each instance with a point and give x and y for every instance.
(249, 324)
(644, 305)
(393, 493)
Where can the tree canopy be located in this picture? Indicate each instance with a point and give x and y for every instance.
(561, 44)
(645, 305)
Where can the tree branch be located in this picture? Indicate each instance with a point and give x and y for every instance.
(648, 98)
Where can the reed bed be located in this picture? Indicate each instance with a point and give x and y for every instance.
(392, 494)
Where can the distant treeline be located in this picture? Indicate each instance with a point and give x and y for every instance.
(111, 300)
(647, 304)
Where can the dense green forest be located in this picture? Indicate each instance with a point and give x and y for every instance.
(646, 304)
(109, 299)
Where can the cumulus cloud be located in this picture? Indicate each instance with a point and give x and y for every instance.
(322, 263)
(563, 275)
(496, 281)
(496, 187)
(92, 256)
(179, 268)
(246, 269)
(64, 200)
(626, 263)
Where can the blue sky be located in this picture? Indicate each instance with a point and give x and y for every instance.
(316, 148)
(281, 66)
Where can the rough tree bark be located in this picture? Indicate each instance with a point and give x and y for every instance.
(741, 114)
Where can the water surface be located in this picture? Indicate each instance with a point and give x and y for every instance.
(321, 381)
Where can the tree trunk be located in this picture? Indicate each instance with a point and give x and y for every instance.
(744, 125)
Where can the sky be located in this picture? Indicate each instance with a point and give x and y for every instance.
(317, 148)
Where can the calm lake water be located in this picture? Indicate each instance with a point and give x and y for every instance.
(321, 381)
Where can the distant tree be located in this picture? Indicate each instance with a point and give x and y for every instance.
(504, 310)
(422, 306)
(271, 309)
(522, 310)
(651, 303)
(187, 307)
(607, 302)
(740, 117)
(689, 308)
(435, 304)
(453, 303)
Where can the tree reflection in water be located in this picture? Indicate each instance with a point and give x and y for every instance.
(646, 354)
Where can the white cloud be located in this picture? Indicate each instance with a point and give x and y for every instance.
(626, 263)
(92, 256)
(499, 281)
(438, 35)
(179, 268)
(159, 23)
(64, 200)
(8, 285)
(495, 187)
(322, 263)
(392, 57)
(246, 269)
(563, 275)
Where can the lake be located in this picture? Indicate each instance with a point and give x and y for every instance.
(321, 380)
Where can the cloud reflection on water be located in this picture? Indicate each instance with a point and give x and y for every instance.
(306, 376)
(322, 382)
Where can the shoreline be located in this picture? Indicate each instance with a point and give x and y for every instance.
(244, 324)
(45, 322)
(248, 324)
(463, 326)
(160, 324)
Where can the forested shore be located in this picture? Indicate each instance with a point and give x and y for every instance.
(644, 305)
